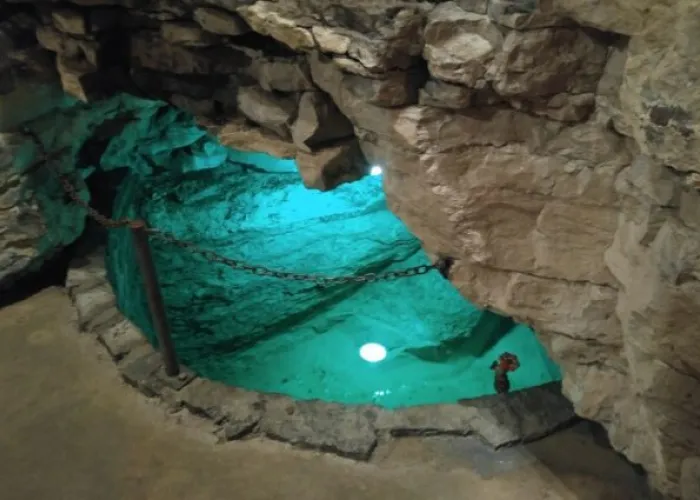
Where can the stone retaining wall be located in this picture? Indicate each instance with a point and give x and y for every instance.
(349, 431)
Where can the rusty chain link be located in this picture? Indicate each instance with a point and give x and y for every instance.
(214, 257)
(68, 187)
(102, 220)
(286, 275)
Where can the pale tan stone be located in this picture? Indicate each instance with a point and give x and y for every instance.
(329, 167)
(548, 61)
(73, 48)
(392, 90)
(264, 18)
(186, 33)
(318, 121)
(569, 241)
(268, 110)
(70, 21)
(238, 134)
(444, 95)
(517, 15)
(281, 74)
(628, 17)
(79, 78)
(607, 96)
(658, 96)
(459, 45)
(220, 21)
(355, 67)
(562, 107)
(330, 41)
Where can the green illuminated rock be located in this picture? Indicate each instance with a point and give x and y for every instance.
(295, 336)
(38, 220)
(290, 336)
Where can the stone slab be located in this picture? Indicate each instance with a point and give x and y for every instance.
(178, 381)
(521, 416)
(140, 373)
(346, 430)
(498, 420)
(120, 339)
(87, 271)
(426, 420)
(237, 410)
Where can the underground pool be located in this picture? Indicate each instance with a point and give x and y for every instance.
(393, 343)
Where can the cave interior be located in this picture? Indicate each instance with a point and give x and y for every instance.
(556, 169)
(399, 342)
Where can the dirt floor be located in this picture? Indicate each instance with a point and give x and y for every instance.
(71, 430)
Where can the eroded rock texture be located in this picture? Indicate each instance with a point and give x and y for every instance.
(550, 147)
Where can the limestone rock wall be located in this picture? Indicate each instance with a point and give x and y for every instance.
(549, 147)
(21, 59)
(25, 238)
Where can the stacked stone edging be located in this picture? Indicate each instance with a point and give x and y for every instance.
(351, 431)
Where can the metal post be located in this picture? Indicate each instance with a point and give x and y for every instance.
(155, 299)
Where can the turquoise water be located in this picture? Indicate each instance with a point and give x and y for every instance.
(295, 337)
(261, 333)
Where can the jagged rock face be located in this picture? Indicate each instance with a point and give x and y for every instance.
(551, 149)
(20, 214)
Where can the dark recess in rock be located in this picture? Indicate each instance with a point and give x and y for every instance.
(662, 115)
(514, 6)
(151, 82)
(17, 25)
(607, 37)
(51, 273)
(268, 45)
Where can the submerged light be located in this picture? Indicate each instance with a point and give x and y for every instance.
(375, 170)
(373, 352)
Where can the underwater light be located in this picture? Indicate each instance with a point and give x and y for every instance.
(375, 170)
(372, 352)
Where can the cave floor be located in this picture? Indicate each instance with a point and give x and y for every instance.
(72, 430)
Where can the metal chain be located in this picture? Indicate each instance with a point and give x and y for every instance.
(46, 159)
(286, 275)
(214, 257)
(103, 220)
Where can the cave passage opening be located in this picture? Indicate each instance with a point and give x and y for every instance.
(396, 343)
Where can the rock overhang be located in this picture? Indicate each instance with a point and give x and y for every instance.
(505, 161)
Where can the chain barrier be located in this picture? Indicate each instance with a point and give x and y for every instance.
(286, 275)
(102, 220)
(109, 223)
